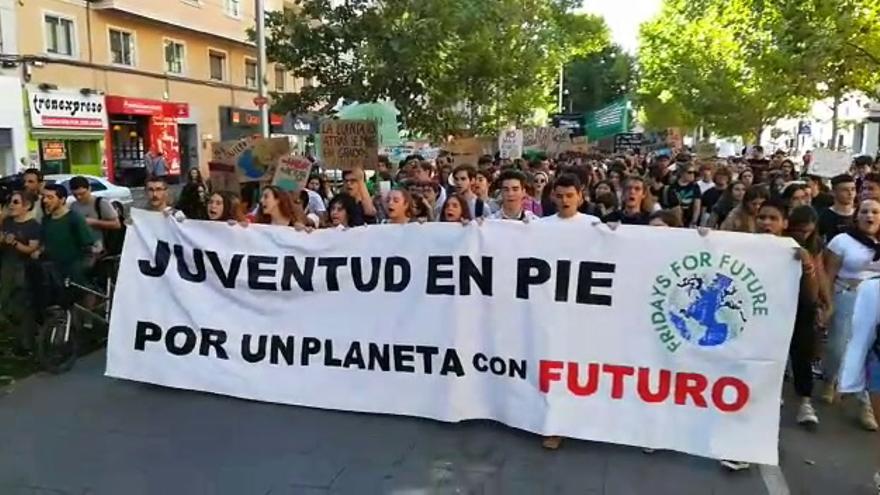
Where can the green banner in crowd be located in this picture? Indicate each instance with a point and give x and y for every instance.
(609, 120)
(383, 113)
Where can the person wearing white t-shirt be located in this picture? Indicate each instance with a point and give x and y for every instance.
(569, 195)
(851, 258)
(513, 193)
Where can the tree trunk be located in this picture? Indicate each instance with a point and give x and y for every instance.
(835, 114)
(758, 131)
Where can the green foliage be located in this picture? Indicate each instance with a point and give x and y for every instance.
(599, 78)
(736, 66)
(715, 63)
(447, 64)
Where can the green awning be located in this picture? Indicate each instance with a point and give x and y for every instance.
(63, 135)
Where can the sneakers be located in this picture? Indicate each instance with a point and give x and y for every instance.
(866, 417)
(806, 415)
(735, 465)
(551, 443)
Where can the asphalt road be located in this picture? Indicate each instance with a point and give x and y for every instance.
(83, 433)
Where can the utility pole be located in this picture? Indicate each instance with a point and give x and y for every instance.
(260, 8)
(561, 86)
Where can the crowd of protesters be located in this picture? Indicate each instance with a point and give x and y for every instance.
(835, 222)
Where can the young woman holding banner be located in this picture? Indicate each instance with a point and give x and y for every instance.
(400, 207)
(225, 207)
(278, 208)
(851, 258)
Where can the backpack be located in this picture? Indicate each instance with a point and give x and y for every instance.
(113, 239)
(478, 208)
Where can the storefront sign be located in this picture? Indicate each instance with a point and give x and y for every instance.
(558, 329)
(164, 139)
(66, 110)
(139, 106)
(54, 150)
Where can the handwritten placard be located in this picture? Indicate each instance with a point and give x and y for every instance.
(510, 144)
(828, 163)
(292, 172)
(347, 144)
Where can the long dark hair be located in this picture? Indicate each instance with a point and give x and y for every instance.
(806, 215)
(286, 207)
(465, 208)
(232, 208)
(347, 202)
(191, 203)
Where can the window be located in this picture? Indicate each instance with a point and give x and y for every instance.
(233, 8)
(250, 73)
(218, 65)
(174, 56)
(280, 75)
(121, 47)
(59, 35)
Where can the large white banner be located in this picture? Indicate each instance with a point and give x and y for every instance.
(642, 336)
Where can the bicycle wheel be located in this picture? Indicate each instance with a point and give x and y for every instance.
(57, 341)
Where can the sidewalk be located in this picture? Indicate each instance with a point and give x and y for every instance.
(839, 458)
(83, 433)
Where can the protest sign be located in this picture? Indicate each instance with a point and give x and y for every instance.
(253, 157)
(347, 144)
(828, 163)
(292, 172)
(628, 141)
(557, 328)
(510, 144)
(223, 177)
(705, 149)
(549, 140)
(467, 150)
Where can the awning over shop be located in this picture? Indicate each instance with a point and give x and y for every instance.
(67, 135)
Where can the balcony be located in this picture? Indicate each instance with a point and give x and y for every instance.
(204, 16)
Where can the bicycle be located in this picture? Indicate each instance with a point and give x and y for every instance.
(61, 332)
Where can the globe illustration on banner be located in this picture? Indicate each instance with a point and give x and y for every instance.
(706, 309)
(247, 164)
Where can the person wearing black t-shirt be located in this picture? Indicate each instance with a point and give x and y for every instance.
(722, 178)
(637, 204)
(839, 217)
(688, 193)
(356, 186)
(822, 199)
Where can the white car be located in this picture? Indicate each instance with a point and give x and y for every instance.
(119, 196)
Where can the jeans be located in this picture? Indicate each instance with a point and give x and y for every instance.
(840, 334)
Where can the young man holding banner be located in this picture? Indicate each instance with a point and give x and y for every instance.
(568, 191)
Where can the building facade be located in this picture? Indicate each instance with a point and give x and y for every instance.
(166, 72)
(13, 133)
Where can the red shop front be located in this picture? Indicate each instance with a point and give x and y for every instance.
(137, 125)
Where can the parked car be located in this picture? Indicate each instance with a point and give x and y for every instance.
(119, 196)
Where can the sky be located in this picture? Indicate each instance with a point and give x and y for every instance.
(624, 17)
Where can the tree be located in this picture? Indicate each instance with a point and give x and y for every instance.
(836, 41)
(594, 80)
(447, 64)
(715, 63)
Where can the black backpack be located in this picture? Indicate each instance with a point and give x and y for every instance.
(113, 239)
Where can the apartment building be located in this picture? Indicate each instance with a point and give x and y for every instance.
(13, 143)
(107, 80)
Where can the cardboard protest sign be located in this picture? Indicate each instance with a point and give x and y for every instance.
(223, 177)
(550, 140)
(465, 150)
(579, 145)
(705, 150)
(291, 172)
(828, 163)
(347, 144)
(510, 144)
(253, 157)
